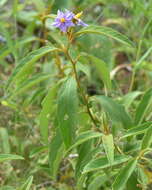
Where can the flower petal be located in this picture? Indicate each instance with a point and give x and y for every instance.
(63, 28)
(60, 14)
(81, 23)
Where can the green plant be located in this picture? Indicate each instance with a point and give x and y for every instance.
(77, 122)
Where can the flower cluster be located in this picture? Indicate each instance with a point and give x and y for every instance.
(65, 20)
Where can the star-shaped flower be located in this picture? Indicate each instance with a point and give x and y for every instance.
(63, 21)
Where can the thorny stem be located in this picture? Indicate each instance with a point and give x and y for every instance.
(79, 86)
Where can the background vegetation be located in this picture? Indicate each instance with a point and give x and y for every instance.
(57, 135)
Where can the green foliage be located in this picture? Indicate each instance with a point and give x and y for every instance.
(76, 107)
(124, 174)
(27, 184)
(116, 111)
(102, 70)
(5, 157)
(108, 144)
(67, 111)
(102, 163)
(107, 32)
(143, 106)
(45, 114)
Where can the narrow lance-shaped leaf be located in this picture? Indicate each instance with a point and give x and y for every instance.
(37, 150)
(115, 111)
(147, 139)
(56, 150)
(47, 109)
(101, 163)
(129, 98)
(137, 130)
(101, 68)
(6, 157)
(143, 106)
(26, 63)
(109, 147)
(85, 154)
(143, 58)
(27, 184)
(5, 51)
(67, 111)
(102, 30)
(9, 41)
(97, 182)
(124, 175)
(29, 83)
(80, 182)
(83, 137)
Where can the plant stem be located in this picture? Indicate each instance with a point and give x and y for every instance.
(79, 87)
(132, 81)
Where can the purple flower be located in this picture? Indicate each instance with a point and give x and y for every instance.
(63, 20)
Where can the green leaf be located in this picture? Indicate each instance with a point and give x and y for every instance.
(85, 153)
(11, 43)
(147, 139)
(102, 30)
(116, 111)
(137, 130)
(67, 111)
(133, 182)
(124, 174)
(143, 58)
(83, 137)
(97, 182)
(30, 83)
(47, 109)
(5, 51)
(56, 150)
(26, 63)
(108, 145)
(80, 182)
(5, 140)
(6, 157)
(101, 163)
(27, 184)
(128, 99)
(37, 150)
(142, 176)
(101, 68)
(84, 68)
(143, 106)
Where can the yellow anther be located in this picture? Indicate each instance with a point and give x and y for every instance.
(62, 19)
(77, 16)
